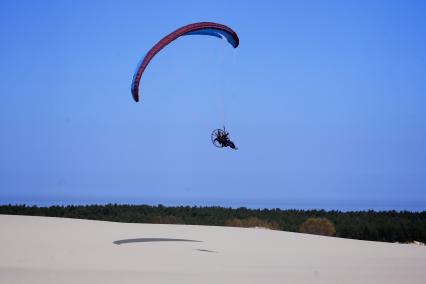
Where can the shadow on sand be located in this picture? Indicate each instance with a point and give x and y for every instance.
(148, 240)
(206, 250)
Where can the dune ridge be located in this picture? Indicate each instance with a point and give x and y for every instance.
(60, 250)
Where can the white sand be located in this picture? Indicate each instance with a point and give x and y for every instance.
(56, 250)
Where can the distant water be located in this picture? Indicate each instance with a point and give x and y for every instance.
(342, 205)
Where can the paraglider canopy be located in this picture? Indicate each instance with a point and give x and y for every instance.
(202, 28)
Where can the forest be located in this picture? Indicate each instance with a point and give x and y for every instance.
(385, 226)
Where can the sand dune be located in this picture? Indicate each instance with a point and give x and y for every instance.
(57, 250)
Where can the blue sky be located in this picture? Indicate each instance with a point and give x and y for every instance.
(325, 99)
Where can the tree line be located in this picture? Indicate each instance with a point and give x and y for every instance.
(387, 226)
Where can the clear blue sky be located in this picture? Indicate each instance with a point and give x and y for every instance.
(325, 99)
